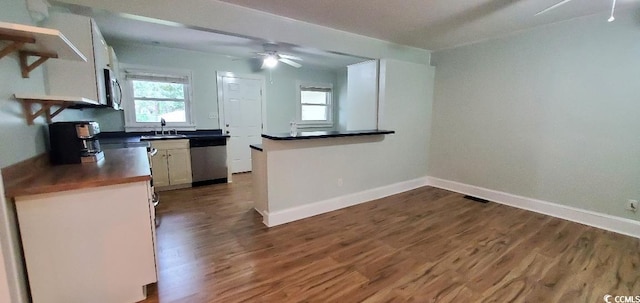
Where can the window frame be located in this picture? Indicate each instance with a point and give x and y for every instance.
(140, 72)
(301, 86)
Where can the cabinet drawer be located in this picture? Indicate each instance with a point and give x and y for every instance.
(170, 144)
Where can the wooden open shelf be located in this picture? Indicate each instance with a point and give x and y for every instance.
(47, 102)
(33, 41)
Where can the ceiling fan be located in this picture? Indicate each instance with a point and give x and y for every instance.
(563, 2)
(271, 57)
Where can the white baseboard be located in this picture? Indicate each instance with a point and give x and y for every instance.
(309, 210)
(603, 221)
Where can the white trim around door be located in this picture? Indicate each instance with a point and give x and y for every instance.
(233, 145)
(219, 76)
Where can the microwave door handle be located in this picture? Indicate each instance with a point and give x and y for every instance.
(119, 101)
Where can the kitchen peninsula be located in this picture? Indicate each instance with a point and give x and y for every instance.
(326, 134)
(87, 229)
(308, 173)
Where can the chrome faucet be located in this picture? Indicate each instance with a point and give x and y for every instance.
(163, 123)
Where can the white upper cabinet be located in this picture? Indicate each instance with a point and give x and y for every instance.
(114, 64)
(72, 78)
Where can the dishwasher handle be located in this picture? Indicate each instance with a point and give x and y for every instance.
(206, 142)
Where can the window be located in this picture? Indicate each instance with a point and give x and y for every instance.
(155, 95)
(315, 108)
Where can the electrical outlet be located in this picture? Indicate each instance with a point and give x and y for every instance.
(632, 205)
(340, 182)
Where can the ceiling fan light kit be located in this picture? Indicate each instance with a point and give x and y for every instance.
(271, 56)
(611, 18)
(270, 61)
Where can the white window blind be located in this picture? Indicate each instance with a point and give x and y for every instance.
(132, 75)
(155, 95)
(315, 105)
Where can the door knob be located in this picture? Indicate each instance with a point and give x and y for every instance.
(227, 132)
(227, 125)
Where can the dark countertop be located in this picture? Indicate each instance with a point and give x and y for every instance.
(119, 166)
(127, 137)
(257, 147)
(327, 134)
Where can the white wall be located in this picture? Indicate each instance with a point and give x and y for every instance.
(5, 296)
(280, 85)
(340, 90)
(282, 94)
(307, 171)
(12, 273)
(550, 114)
(362, 98)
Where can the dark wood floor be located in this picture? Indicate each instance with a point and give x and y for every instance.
(425, 245)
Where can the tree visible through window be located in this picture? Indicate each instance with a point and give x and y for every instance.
(156, 95)
(155, 100)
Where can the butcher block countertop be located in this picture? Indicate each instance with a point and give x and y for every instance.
(123, 165)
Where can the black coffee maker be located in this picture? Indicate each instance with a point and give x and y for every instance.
(74, 142)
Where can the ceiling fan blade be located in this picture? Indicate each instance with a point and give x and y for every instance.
(552, 7)
(290, 57)
(292, 63)
(229, 44)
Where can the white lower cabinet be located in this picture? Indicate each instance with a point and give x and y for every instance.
(89, 245)
(172, 164)
(160, 169)
(259, 178)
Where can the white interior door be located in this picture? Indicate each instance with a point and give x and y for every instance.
(242, 108)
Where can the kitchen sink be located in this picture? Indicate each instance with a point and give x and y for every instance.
(162, 137)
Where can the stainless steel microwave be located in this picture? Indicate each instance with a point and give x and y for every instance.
(113, 89)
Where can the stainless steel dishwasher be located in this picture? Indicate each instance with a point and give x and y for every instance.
(208, 160)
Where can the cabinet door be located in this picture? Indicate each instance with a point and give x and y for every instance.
(159, 169)
(114, 64)
(73, 78)
(88, 245)
(101, 59)
(179, 166)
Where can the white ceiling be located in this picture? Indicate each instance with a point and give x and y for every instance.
(431, 24)
(426, 24)
(149, 31)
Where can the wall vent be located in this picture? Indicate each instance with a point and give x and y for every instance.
(476, 199)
